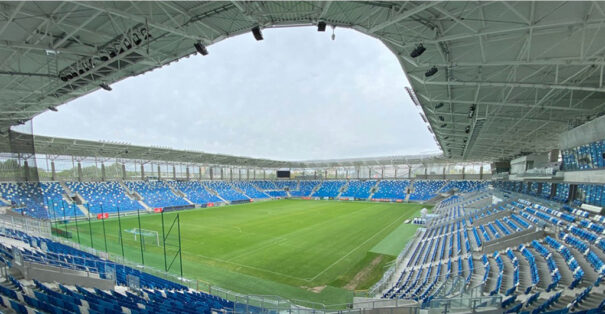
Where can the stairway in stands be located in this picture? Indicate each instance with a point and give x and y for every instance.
(343, 189)
(135, 196)
(411, 189)
(317, 187)
(179, 193)
(374, 189)
(215, 193)
(67, 198)
(235, 187)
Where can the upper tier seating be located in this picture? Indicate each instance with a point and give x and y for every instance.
(329, 188)
(39, 200)
(265, 185)
(276, 188)
(196, 192)
(391, 189)
(226, 191)
(106, 197)
(304, 188)
(464, 186)
(282, 184)
(156, 193)
(425, 189)
(359, 189)
(250, 190)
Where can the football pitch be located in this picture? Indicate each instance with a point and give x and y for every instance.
(318, 251)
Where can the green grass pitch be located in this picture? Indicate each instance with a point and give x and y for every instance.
(316, 251)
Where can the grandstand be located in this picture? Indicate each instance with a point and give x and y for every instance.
(508, 217)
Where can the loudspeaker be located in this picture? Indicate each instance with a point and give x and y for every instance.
(321, 26)
(257, 34)
(201, 49)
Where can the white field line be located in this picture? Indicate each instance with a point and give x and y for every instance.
(253, 250)
(354, 249)
(247, 266)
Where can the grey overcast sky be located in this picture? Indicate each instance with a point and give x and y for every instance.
(297, 95)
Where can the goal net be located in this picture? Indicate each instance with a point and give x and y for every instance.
(148, 236)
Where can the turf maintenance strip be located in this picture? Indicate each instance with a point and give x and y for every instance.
(356, 248)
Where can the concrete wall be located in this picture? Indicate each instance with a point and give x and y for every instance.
(586, 133)
(592, 176)
(513, 240)
(482, 220)
(47, 273)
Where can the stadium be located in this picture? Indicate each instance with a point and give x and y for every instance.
(506, 217)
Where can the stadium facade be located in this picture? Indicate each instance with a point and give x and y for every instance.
(511, 91)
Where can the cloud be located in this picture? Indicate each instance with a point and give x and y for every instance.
(297, 95)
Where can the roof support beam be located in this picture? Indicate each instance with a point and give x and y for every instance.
(139, 19)
(550, 27)
(508, 84)
(12, 17)
(507, 104)
(403, 16)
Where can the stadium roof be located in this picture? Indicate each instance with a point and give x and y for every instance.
(28, 144)
(508, 78)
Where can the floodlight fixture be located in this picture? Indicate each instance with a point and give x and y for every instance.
(201, 48)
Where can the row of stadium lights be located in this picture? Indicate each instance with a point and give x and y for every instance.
(199, 47)
(258, 35)
(419, 50)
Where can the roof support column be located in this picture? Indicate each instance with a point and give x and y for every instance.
(173, 172)
(26, 170)
(159, 173)
(142, 170)
(103, 176)
(53, 173)
(79, 171)
(123, 171)
(187, 172)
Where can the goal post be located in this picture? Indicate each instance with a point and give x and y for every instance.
(145, 234)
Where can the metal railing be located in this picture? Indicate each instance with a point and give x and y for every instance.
(31, 226)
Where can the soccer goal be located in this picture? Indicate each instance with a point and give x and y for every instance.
(147, 235)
